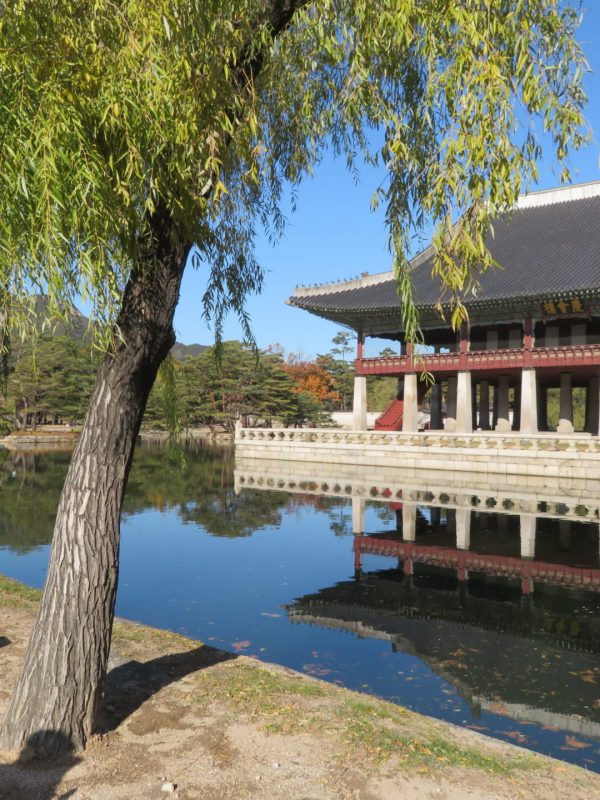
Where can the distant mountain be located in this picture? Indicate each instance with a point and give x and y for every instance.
(77, 325)
(182, 351)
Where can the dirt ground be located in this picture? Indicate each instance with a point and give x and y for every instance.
(208, 725)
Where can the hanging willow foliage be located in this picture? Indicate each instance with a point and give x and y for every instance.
(108, 106)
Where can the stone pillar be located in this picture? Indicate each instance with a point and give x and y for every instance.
(359, 408)
(593, 406)
(474, 407)
(409, 522)
(542, 403)
(463, 528)
(450, 421)
(358, 516)
(528, 525)
(495, 407)
(565, 421)
(484, 405)
(503, 423)
(410, 411)
(464, 403)
(528, 402)
(435, 414)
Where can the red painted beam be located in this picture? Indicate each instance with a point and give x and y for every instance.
(468, 561)
(564, 358)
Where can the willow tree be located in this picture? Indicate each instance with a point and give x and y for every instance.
(138, 135)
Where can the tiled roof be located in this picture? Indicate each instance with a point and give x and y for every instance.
(547, 248)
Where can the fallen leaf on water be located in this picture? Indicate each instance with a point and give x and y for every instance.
(316, 670)
(241, 645)
(571, 741)
(269, 614)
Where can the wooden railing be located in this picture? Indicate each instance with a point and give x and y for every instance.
(484, 360)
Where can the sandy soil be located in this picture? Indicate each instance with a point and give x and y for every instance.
(218, 726)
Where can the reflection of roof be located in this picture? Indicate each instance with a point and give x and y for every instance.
(479, 644)
(548, 247)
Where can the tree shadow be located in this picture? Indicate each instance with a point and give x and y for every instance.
(130, 684)
(34, 775)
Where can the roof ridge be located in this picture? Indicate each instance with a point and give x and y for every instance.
(559, 194)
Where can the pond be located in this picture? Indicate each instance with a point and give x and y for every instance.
(500, 633)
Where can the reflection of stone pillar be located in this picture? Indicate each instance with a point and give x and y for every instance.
(464, 403)
(410, 411)
(565, 422)
(463, 528)
(450, 421)
(593, 406)
(503, 423)
(528, 525)
(528, 402)
(359, 408)
(484, 405)
(409, 522)
(358, 515)
(542, 402)
(435, 416)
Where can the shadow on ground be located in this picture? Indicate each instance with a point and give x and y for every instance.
(4, 641)
(34, 777)
(131, 683)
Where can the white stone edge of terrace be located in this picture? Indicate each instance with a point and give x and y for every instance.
(544, 197)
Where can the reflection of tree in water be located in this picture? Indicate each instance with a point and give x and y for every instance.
(196, 483)
(30, 485)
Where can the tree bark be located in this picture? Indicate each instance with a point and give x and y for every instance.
(55, 699)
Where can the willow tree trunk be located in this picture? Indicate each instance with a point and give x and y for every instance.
(56, 697)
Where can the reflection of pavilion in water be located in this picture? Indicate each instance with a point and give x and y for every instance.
(461, 599)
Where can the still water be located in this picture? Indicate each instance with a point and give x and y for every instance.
(500, 633)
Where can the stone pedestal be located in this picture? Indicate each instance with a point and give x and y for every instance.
(528, 415)
(464, 403)
(410, 411)
(359, 407)
(565, 421)
(503, 423)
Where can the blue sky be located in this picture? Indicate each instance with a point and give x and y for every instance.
(334, 235)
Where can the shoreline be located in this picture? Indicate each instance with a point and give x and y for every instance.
(223, 725)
